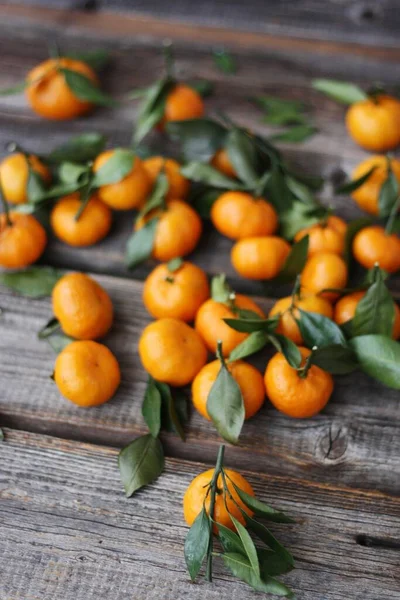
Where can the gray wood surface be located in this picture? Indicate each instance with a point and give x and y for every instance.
(68, 532)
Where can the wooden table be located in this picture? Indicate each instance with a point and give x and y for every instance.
(67, 531)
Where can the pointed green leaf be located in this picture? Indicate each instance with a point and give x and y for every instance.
(240, 566)
(151, 407)
(297, 217)
(230, 540)
(354, 184)
(346, 93)
(248, 545)
(151, 111)
(278, 191)
(59, 341)
(80, 148)
(84, 89)
(170, 411)
(252, 344)
(196, 543)
(221, 291)
(199, 138)
(318, 330)
(35, 187)
(251, 325)
(118, 166)
(140, 463)
(288, 348)
(175, 264)
(243, 156)
(296, 134)
(203, 173)
(140, 244)
(157, 196)
(224, 61)
(225, 406)
(51, 326)
(335, 359)
(97, 59)
(379, 357)
(375, 312)
(71, 173)
(266, 536)
(271, 564)
(295, 261)
(260, 509)
(34, 282)
(389, 193)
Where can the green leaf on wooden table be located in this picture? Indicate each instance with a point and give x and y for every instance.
(248, 545)
(203, 173)
(297, 217)
(230, 540)
(151, 407)
(341, 91)
(266, 536)
(375, 312)
(240, 566)
(35, 187)
(80, 148)
(157, 196)
(389, 193)
(354, 184)
(70, 172)
(118, 166)
(335, 359)
(151, 110)
(224, 61)
(260, 509)
(221, 291)
(288, 348)
(140, 244)
(280, 111)
(170, 417)
(318, 330)
(295, 261)
(296, 134)
(202, 86)
(225, 405)
(199, 138)
(59, 341)
(271, 564)
(15, 89)
(34, 282)
(84, 89)
(242, 155)
(51, 326)
(251, 325)
(379, 357)
(97, 59)
(352, 229)
(140, 463)
(253, 343)
(196, 543)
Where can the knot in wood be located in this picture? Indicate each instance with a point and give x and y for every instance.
(332, 444)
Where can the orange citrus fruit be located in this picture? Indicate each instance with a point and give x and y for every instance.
(367, 195)
(345, 309)
(22, 242)
(222, 163)
(374, 123)
(183, 102)
(322, 271)
(239, 215)
(326, 237)
(178, 185)
(14, 173)
(260, 257)
(372, 245)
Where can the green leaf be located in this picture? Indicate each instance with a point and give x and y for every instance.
(51, 326)
(224, 61)
(202, 173)
(199, 138)
(71, 173)
(379, 357)
(243, 156)
(302, 191)
(35, 187)
(375, 312)
(97, 59)
(295, 261)
(354, 184)
(151, 407)
(59, 341)
(15, 89)
(335, 358)
(296, 134)
(230, 540)
(196, 543)
(240, 566)
(248, 545)
(266, 536)
(157, 196)
(174, 264)
(225, 406)
(152, 108)
(140, 244)
(140, 463)
(352, 229)
(346, 93)
(278, 191)
(34, 282)
(181, 405)
(202, 86)
(388, 194)
(84, 89)
(80, 148)
(298, 216)
(260, 509)
(288, 348)
(118, 166)
(252, 344)
(221, 291)
(318, 330)
(251, 325)
(170, 414)
(281, 111)
(202, 199)
(271, 563)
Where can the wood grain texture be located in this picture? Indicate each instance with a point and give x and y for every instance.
(355, 441)
(66, 531)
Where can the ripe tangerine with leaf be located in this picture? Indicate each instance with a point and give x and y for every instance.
(327, 236)
(248, 378)
(374, 123)
(367, 194)
(222, 163)
(178, 185)
(239, 215)
(322, 271)
(22, 240)
(128, 193)
(14, 174)
(171, 351)
(87, 373)
(345, 309)
(182, 102)
(178, 230)
(373, 245)
(92, 225)
(295, 393)
(82, 306)
(260, 257)
(196, 497)
(48, 93)
(176, 292)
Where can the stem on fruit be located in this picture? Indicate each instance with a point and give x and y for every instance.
(213, 487)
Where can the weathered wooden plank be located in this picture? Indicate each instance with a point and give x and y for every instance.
(68, 532)
(355, 440)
